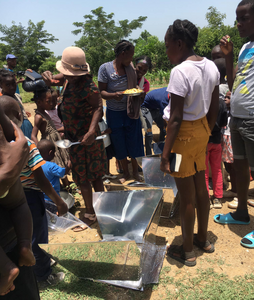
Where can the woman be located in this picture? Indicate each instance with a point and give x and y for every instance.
(191, 115)
(113, 78)
(81, 111)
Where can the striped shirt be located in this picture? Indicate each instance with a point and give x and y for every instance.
(34, 162)
(115, 83)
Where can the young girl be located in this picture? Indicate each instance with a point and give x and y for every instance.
(143, 64)
(44, 124)
(191, 114)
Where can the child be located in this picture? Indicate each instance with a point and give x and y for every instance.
(8, 84)
(143, 64)
(44, 124)
(214, 149)
(53, 113)
(34, 181)
(240, 82)
(14, 201)
(227, 153)
(191, 114)
(51, 170)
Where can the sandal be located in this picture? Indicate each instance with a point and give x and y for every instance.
(203, 245)
(89, 219)
(79, 228)
(177, 253)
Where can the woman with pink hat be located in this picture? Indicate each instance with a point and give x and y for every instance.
(81, 110)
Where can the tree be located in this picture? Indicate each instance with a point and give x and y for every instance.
(100, 34)
(28, 44)
(209, 36)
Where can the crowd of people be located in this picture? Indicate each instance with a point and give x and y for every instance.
(205, 114)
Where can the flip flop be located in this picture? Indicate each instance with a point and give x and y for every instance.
(248, 240)
(79, 228)
(203, 245)
(233, 204)
(250, 202)
(90, 217)
(227, 219)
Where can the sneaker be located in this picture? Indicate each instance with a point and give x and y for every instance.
(216, 203)
(52, 262)
(52, 279)
(233, 203)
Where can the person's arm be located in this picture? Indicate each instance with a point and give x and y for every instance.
(96, 102)
(174, 124)
(227, 48)
(61, 129)
(6, 126)
(13, 157)
(53, 80)
(214, 108)
(37, 125)
(47, 188)
(108, 96)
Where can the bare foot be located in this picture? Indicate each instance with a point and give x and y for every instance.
(26, 257)
(7, 276)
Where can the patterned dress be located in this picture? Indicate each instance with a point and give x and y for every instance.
(88, 162)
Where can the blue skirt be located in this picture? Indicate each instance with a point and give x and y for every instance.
(27, 128)
(126, 137)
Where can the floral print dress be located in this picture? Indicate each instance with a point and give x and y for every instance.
(88, 162)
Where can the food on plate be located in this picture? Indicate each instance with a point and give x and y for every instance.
(132, 91)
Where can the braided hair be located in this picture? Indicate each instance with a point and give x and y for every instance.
(183, 30)
(122, 46)
(144, 59)
(4, 74)
(247, 2)
(39, 94)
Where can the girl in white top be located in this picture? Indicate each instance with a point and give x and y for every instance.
(191, 114)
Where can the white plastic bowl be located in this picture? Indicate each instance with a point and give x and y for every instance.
(67, 198)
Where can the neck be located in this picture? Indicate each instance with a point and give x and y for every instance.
(7, 94)
(118, 65)
(41, 110)
(189, 55)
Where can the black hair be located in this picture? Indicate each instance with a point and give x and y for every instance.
(183, 30)
(221, 65)
(38, 95)
(45, 146)
(5, 73)
(122, 46)
(247, 2)
(146, 59)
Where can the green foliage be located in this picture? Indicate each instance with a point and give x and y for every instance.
(150, 45)
(27, 43)
(210, 36)
(100, 34)
(49, 65)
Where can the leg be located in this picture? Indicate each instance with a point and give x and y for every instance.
(203, 206)
(65, 181)
(126, 173)
(186, 190)
(242, 182)
(148, 134)
(231, 170)
(36, 204)
(136, 175)
(215, 162)
(207, 167)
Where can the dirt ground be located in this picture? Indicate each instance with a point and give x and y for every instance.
(235, 259)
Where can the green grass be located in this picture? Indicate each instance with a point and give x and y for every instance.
(26, 97)
(101, 262)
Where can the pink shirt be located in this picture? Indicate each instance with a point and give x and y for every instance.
(54, 116)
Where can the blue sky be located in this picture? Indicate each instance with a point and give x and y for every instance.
(60, 15)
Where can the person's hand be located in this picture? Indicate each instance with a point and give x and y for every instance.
(165, 166)
(226, 45)
(107, 131)
(21, 80)
(88, 138)
(29, 70)
(28, 114)
(62, 209)
(47, 76)
(118, 96)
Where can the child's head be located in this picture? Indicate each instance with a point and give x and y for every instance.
(8, 82)
(245, 18)
(227, 99)
(221, 65)
(143, 64)
(12, 110)
(47, 149)
(43, 99)
(216, 53)
(180, 39)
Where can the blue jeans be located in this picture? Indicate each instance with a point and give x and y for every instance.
(36, 204)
